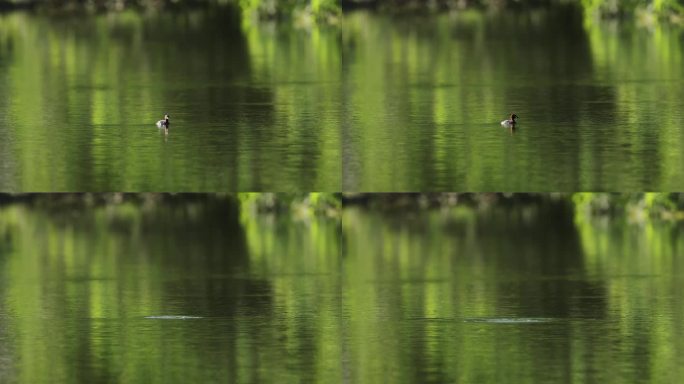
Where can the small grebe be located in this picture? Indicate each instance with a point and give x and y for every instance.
(164, 123)
(510, 122)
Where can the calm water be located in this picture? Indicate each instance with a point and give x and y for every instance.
(253, 107)
(527, 294)
(599, 104)
(185, 292)
(196, 291)
(376, 103)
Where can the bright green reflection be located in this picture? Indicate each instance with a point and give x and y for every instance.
(525, 293)
(524, 289)
(76, 286)
(252, 107)
(599, 104)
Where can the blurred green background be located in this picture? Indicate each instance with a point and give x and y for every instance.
(328, 287)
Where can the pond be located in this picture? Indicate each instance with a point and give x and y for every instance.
(529, 293)
(599, 103)
(193, 289)
(253, 107)
(180, 291)
(375, 103)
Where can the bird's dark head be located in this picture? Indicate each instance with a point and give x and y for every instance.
(513, 116)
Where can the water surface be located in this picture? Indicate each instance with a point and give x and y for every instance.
(254, 107)
(375, 103)
(599, 103)
(195, 290)
(524, 294)
(168, 292)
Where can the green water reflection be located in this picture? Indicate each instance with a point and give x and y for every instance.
(253, 107)
(77, 287)
(376, 103)
(524, 292)
(518, 294)
(599, 104)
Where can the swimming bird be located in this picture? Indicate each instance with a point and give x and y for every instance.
(164, 123)
(510, 123)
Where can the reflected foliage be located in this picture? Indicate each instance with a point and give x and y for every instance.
(599, 103)
(636, 207)
(78, 283)
(415, 279)
(80, 96)
(403, 295)
(672, 10)
(322, 10)
(302, 204)
(633, 206)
